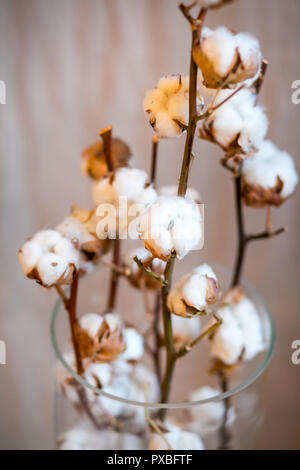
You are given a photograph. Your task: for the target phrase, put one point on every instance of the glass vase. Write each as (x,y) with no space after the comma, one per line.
(228,415)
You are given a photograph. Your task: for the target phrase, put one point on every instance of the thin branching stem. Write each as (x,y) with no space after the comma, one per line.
(155,141)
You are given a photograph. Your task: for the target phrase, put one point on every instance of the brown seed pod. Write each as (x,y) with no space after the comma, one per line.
(94,161)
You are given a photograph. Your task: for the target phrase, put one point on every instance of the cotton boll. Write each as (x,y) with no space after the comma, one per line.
(49,258)
(226,58)
(29,255)
(172,190)
(167,106)
(101,338)
(94,161)
(176,439)
(268,176)
(171,225)
(219,48)
(134,345)
(194,293)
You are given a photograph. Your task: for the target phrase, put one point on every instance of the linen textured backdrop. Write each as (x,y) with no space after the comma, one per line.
(72,67)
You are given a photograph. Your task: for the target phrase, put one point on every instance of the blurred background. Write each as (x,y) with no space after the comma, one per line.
(72,67)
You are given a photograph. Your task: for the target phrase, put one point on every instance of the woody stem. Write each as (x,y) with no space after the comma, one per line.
(71,308)
(197,25)
(191,129)
(114,276)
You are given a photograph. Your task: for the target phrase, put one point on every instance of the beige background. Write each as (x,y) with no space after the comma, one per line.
(74,66)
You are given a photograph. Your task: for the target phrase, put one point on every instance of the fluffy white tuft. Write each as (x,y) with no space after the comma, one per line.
(269,163)
(171,225)
(167,106)
(195,291)
(238,119)
(50,255)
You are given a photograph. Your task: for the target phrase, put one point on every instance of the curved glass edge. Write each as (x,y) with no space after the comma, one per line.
(173,405)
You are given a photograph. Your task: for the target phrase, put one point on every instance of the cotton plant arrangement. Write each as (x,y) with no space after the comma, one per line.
(217,102)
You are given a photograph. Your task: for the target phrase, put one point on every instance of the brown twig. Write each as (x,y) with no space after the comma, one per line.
(197,24)
(106,135)
(72,306)
(156,356)
(243,238)
(155,141)
(187,157)
(168,337)
(224,432)
(114,276)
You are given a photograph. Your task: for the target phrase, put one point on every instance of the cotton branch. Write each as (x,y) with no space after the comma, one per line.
(243,238)
(155,141)
(70,304)
(115,275)
(186,162)
(197,25)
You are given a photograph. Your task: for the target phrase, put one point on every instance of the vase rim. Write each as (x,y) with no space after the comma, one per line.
(180,404)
